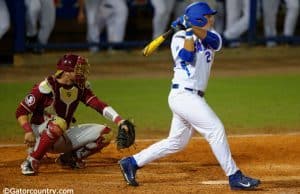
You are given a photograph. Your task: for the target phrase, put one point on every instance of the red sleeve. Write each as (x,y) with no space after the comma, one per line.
(29,103)
(90,99)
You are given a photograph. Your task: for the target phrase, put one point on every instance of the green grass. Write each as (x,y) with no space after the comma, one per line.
(261,103)
(254,104)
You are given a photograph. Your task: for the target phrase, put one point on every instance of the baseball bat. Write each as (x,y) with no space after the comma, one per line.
(155,43)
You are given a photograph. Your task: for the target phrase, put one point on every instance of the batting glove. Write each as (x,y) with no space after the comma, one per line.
(181,21)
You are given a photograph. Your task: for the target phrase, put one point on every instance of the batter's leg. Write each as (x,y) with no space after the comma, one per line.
(195,110)
(178,138)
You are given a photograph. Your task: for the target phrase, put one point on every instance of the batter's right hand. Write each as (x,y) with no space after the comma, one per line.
(29,139)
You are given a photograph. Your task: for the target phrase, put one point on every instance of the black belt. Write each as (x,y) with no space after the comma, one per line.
(199,92)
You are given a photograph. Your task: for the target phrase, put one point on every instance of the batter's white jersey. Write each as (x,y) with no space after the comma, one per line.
(192,75)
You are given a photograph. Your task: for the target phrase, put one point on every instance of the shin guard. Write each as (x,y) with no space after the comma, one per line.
(48,137)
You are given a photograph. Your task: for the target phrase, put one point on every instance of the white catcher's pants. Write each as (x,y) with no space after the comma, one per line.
(190,112)
(74,138)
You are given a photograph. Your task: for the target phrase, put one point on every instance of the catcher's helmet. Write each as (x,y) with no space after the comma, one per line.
(74,63)
(68,62)
(195,13)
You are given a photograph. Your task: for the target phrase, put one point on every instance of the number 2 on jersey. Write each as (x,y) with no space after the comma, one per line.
(208,56)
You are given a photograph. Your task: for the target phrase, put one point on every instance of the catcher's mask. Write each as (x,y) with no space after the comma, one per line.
(76,64)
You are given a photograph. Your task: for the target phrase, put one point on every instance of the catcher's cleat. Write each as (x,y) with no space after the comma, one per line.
(30,166)
(128,168)
(238,181)
(70,160)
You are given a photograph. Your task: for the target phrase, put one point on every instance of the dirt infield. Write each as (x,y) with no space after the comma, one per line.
(275,159)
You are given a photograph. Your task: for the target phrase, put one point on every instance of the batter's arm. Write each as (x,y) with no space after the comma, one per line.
(189,41)
(208,37)
(187,52)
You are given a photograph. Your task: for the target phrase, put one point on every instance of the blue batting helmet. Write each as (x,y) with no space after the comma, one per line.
(195,13)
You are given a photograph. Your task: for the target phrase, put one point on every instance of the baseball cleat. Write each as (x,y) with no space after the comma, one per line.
(128,168)
(29,166)
(69,160)
(238,181)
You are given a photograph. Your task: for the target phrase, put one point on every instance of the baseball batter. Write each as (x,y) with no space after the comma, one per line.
(51,104)
(193,52)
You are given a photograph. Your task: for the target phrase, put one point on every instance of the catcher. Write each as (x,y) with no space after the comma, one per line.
(51,105)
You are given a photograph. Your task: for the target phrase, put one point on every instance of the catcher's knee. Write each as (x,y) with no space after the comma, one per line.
(56,127)
(93,147)
(106,135)
(60,122)
(102,141)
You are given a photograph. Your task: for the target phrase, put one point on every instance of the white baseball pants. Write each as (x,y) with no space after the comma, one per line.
(190,112)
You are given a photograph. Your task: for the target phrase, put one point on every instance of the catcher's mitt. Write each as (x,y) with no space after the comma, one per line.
(126,135)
